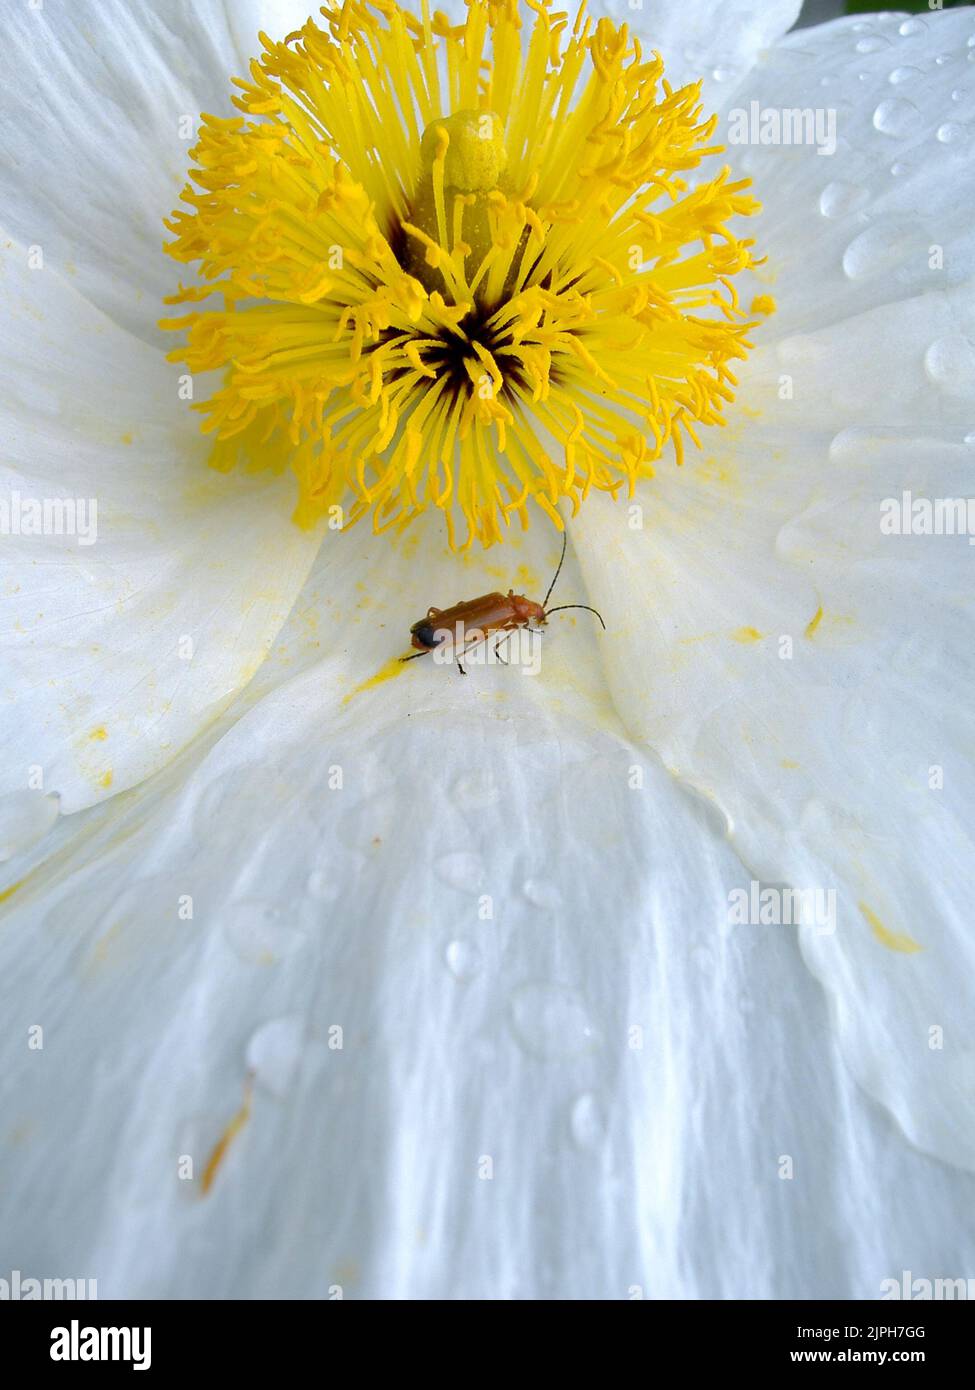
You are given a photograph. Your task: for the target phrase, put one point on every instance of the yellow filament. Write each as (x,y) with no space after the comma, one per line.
(459,266)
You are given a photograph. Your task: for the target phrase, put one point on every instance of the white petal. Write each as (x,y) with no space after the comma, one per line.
(776,647)
(25,818)
(717,40)
(590,1092)
(116,653)
(99,103)
(861,227)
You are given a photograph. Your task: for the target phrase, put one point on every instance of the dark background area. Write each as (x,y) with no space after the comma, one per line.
(818,11)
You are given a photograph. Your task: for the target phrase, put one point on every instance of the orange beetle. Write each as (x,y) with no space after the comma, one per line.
(475,619)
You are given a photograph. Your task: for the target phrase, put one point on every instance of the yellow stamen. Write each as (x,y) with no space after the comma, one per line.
(460,267)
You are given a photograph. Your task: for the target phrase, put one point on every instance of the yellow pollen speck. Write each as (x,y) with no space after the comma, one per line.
(9,892)
(346,1274)
(747,634)
(723,471)
(763,304)
(100,734)
(106,778)
(478,267)
(410,543)
(226,1139)
(127,437)
(385,673)
(814,621)
(894,941)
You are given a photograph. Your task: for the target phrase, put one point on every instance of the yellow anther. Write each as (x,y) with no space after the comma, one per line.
(531,299)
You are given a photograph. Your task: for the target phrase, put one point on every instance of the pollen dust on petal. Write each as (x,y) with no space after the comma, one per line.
(894,941)
(385,673)
(747,634)
(9,892)
(222,1146)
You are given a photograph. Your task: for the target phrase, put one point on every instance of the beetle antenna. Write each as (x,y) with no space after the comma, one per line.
(416,655)
(565,541)
(563,606)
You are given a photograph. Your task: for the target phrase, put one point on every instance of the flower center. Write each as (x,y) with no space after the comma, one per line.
(460,266)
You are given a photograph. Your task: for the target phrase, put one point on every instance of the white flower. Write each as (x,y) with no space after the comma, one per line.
(436,987)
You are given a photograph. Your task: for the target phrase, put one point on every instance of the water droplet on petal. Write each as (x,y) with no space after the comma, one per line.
(838,198)
(461,869)
(950,364)
(472,791)
(896,117)
(969,439)
(912,26)
(958,95)
(943,58)
(463,959)
(951,133)
(274,1054)
(904,74)
(258,934)
(881,248)
(852,443)
(551,1021)
(898,168)
(542,892)
(586,1122)
(872,44)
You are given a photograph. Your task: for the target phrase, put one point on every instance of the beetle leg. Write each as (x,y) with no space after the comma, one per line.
(500,643)
(485,637)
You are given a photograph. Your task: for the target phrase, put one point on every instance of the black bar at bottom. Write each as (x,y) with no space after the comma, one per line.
(170,1338)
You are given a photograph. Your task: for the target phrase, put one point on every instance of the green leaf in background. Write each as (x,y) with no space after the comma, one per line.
(909,6)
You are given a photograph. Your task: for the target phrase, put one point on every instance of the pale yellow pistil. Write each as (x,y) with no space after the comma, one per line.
(463,158)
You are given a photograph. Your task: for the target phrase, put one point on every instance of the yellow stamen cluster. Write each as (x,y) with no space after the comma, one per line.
(460,266)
